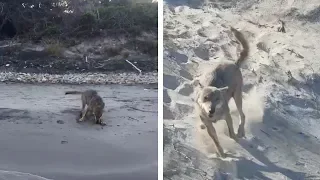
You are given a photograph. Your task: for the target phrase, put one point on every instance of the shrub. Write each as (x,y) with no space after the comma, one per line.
(85,25)
(49,20)
(54,49)
(130,18)
(113,51)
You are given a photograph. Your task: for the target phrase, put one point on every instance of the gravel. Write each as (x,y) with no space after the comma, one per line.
(129,78)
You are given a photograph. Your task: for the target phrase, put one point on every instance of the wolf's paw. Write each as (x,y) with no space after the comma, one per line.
(241,133)
(223,155)
(103,123)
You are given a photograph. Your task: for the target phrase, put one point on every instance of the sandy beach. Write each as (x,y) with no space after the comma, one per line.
(39,134)
(280,93)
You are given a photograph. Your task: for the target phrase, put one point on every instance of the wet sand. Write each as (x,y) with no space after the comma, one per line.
(39,133)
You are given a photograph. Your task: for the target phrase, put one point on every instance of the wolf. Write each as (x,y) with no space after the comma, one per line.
(216,89)
(94,103)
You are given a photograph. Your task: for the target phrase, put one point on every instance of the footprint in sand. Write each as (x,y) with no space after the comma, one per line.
(263,47)
(207,50)
(186,89)
(166,97)
(208,32)
(202,32)
(182,109)
(186,74)
(226,52)
(202,51)
(304,135)
(167,113)
(275,129)
(170,82)
(178,57)
(184,35)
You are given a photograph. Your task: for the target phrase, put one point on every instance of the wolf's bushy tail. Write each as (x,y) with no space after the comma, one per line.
(73,92)
(245,47)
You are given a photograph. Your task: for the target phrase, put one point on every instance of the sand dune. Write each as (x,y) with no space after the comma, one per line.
(281,90)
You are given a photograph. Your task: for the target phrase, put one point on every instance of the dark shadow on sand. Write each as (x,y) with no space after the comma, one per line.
(274,128)
(249,169)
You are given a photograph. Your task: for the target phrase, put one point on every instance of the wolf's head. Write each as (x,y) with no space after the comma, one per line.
(209,98)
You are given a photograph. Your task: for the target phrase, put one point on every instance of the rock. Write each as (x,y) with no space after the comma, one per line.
(60,122)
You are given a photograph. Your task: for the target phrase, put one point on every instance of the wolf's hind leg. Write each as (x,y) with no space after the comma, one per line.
(84,114)
(238,101)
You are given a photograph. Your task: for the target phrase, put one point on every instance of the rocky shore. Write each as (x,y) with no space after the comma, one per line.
(129,78)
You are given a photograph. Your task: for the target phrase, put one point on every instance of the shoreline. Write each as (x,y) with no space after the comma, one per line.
(125,78)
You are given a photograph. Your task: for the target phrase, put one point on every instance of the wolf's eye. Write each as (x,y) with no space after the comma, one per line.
(206,98)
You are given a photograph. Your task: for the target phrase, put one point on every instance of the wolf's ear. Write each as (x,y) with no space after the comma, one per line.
(224,90)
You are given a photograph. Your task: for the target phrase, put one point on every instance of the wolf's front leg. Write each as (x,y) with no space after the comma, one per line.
(97,119)
(213,134)
(84,114)
(230,126)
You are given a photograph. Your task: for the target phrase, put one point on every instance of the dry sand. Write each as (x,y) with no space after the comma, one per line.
(39,134)
(282,112)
